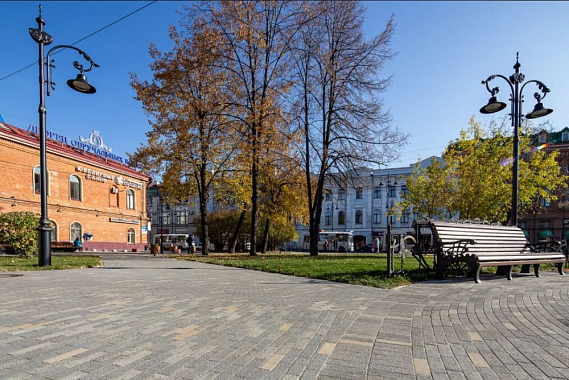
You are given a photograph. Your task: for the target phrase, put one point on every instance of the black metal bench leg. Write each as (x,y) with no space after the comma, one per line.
(525,268)
(476,273)
(508,272)
(560,268)
(501,271)
(536,270)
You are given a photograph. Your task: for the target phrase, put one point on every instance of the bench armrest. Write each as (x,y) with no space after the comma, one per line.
(455,247)
(545,246)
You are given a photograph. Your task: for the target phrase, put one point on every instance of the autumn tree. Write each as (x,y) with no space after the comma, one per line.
(427,192)
(337,104)
(255,41)
(190,143)
(475,180)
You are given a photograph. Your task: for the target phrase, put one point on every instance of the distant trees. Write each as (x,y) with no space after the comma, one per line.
(269,96)
(475,178)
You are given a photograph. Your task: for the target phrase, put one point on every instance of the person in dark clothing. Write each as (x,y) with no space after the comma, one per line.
(190,241)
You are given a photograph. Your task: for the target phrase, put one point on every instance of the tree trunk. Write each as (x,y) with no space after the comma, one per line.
(254,204)
(234,239)
(205,233)
(203,212)
(266,235)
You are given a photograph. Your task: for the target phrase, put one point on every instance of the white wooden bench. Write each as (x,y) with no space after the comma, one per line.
(464,245)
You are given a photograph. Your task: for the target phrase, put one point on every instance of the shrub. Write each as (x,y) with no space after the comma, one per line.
(19,230)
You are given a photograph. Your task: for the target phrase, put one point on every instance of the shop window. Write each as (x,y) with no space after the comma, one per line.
(359,217)
(565,136)
(328,218)
(341,218)
(114,196)
(130,199)
(37,180)
(75,231)
(405,217)
(74,188)
(53,230)
(376,216)
(544,224)
(131,236)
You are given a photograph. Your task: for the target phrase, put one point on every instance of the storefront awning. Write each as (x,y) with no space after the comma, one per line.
(546,233)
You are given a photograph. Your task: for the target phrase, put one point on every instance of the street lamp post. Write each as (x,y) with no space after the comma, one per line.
(516,99)
(79,84)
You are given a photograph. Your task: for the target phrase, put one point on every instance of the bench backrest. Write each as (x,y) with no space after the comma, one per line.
(490,240)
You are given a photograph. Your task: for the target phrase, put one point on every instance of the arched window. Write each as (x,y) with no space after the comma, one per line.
(341,218)
(114,196)
(53,230)
(328,220)
(37,180)
(130,199)
(75,231)
(359,217)
(376,216)
(131,236)
(75,188)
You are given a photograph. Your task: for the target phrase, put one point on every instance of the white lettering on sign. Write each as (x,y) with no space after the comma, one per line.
(122,181)
(95,175)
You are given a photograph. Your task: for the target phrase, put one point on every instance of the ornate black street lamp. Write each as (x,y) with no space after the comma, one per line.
(516,99)
(79,84)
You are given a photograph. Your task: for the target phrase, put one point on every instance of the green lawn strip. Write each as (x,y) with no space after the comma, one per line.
(14,263)
(369,270)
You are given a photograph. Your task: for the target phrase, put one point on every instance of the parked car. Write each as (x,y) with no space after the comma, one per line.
(366,248)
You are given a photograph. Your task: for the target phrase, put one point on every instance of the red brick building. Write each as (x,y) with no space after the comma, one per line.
(552,221)
(91,194)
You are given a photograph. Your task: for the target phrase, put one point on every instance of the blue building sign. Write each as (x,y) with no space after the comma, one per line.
(93,144)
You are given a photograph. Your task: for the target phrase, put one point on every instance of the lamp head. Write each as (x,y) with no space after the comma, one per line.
(538,111)
(80,84)
(493,106)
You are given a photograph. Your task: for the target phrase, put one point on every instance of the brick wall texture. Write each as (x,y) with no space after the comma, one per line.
(98,204)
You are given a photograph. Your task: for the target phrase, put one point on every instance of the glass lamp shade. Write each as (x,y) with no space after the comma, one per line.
(538,111)
(493,106)
(80,84)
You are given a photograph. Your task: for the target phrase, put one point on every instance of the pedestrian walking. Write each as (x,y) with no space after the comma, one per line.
(77,244)
(190,241)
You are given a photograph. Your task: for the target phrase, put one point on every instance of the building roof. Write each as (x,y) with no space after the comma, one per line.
(11,133)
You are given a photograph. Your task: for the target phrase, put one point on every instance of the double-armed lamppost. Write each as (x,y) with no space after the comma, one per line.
(78,84)
(390,186)
(516,99)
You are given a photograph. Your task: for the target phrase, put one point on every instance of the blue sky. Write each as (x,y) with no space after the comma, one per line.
(445,49)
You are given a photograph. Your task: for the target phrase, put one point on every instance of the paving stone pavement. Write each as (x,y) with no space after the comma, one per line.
(144,317)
